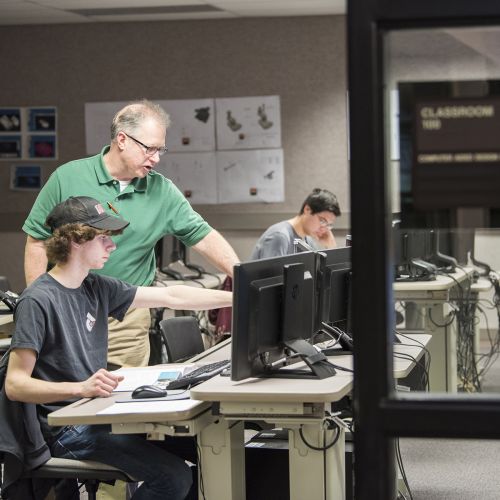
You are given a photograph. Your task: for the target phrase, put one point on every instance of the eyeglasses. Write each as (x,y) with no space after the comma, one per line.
(323,222)
(149,150)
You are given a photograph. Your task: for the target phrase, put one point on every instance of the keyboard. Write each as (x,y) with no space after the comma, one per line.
(199,375)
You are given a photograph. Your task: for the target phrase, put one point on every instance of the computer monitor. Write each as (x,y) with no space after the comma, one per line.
(335,294)
(414,254)
(174,259)
(274,316)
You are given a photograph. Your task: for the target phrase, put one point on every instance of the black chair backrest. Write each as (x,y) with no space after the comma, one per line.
(4,283)
(182,337)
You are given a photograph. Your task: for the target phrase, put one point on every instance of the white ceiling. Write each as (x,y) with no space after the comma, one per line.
(19,12)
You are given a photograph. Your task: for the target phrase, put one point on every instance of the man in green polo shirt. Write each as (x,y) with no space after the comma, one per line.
(123,179)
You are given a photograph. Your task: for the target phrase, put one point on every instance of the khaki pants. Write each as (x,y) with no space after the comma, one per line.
(128,340)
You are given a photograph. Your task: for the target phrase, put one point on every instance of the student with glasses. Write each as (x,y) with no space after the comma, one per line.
(313,224)
(123,179)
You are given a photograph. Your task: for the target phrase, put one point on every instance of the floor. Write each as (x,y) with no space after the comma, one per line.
(452,469)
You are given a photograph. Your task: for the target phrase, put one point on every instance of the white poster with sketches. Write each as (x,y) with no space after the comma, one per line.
(250,176)
(248,122)
(192,124)
(195,174)
(98,117)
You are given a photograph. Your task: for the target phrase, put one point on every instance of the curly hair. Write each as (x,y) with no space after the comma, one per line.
(58,246)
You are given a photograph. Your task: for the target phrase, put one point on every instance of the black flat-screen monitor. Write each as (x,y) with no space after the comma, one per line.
(274,316)
(413,250)
(335,294)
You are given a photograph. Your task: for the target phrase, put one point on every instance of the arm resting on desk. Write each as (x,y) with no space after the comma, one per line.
(21,386)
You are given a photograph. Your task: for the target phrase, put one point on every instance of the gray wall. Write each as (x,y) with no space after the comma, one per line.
(301,59)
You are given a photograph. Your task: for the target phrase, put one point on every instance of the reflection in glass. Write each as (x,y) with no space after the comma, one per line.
(442,98)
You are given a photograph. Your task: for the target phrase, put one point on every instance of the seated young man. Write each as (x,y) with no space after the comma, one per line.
(59,347)
(313,225)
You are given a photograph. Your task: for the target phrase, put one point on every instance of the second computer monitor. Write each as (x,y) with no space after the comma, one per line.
(335,290)
(274,310)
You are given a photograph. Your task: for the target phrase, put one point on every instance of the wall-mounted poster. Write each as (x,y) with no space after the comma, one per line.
(42,120)
(192,125)
(248,122)
(25,177)
(250,176)
(195,174)
(42,146)
(10,120)
(98,117)
(10,146)
(28,132)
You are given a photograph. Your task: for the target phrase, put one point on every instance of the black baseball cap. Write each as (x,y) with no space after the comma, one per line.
(84,210)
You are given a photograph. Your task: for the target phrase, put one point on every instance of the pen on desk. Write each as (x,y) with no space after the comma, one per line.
(113,208)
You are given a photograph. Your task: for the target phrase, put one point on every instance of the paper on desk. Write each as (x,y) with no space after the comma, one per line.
(134,377)
(150,407)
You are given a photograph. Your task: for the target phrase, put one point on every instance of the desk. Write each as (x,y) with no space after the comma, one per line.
(299,404)
(482,285)
(6,319)
(6,328)
(296,404)
(433,298)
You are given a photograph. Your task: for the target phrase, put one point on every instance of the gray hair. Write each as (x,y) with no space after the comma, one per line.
(130,118)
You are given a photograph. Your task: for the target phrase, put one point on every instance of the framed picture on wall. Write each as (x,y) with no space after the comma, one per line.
(42,119)
(10,119)
(10,146)
(28,132)
(25,177)
(42,146)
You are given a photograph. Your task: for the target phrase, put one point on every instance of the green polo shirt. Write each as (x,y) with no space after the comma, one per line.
(153,205)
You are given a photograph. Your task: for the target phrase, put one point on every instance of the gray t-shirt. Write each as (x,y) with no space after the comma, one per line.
(68,328)
(278,240)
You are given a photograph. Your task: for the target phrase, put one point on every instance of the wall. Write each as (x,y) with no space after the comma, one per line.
(301,59)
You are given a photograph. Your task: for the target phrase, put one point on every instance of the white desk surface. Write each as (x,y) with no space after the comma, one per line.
(279,390)
(308,390)
(482,285)
(440,283)
(85,411)
(222,389)
(6,319)
(5,343)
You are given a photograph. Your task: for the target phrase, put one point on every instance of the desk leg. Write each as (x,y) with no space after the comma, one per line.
(316,475)
(474,297)
(222,461)
(443,348)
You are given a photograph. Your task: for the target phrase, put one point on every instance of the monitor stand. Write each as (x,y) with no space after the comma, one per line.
(319,366)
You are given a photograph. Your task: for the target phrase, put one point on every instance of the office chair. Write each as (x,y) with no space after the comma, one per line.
(4,283)
(182,337)
(87,472)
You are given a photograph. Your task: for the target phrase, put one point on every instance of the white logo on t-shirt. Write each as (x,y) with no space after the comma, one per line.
(90,322)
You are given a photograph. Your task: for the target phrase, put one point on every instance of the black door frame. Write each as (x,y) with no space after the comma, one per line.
(381,415)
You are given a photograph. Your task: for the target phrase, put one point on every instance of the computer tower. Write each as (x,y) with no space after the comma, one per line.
(266,466)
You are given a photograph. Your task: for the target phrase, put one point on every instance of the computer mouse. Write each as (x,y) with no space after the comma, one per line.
(148,391)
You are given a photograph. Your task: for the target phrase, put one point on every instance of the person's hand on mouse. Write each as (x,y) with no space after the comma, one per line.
(101,383)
